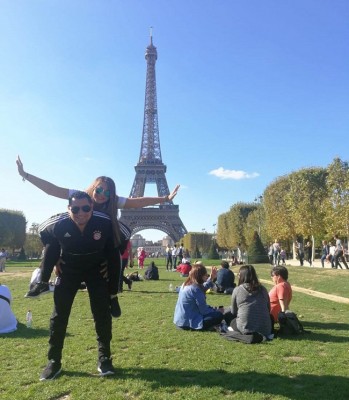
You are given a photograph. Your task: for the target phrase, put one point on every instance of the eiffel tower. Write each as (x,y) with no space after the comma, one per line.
(150,168)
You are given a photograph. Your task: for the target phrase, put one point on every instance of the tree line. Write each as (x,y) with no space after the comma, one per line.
(310,203)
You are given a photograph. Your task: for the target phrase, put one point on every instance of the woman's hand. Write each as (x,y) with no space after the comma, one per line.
(213,274)
(20,167)
(58,267)
(174,192)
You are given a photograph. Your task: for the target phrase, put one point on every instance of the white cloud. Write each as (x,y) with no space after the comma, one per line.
(222,173)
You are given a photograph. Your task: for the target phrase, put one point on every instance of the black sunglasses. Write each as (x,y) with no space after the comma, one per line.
(76,209)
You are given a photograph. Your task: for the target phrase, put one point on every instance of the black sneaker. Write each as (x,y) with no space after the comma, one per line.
(52,370)
(129,285)
(105,366)
(115,309)
(39,289)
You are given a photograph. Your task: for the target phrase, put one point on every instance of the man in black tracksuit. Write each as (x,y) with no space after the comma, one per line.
(86,241)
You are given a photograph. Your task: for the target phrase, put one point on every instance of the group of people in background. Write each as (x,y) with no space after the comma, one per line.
(175,256)
(276,253)
(333,252)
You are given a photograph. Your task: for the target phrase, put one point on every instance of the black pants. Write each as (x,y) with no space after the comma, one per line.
(169,262)
(339,255)
(301,259)
(124,279)
(64,295)
(174,262)
(51,255)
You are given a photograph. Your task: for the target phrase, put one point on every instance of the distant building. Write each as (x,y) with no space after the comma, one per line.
(167,241)
(152,249)
(138,241)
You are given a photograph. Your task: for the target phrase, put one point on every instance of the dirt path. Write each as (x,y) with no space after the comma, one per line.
(332,297)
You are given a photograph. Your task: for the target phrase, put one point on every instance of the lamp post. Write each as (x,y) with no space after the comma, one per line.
(258,200)
(203,241)
(195,241)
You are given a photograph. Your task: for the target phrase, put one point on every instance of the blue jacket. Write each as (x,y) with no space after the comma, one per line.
(191,307)
(225,278)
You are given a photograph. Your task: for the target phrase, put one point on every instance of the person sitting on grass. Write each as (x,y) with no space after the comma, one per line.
(250,306)
(184,268)
(8,321)
(192,312)
(281,294)
(225,282)
(152,272)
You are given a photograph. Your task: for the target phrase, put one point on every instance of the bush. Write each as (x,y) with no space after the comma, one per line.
(256,251)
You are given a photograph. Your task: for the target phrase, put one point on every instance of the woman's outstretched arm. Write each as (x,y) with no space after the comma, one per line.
(139,202)
(45,186)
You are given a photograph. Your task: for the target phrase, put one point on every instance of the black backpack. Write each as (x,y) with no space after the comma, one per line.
(289,324)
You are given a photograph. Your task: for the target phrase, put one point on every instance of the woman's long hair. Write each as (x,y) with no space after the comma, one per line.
(196,276)
(110,206)
(248,276)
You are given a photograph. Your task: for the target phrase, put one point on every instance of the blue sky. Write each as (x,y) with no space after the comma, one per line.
(247,91)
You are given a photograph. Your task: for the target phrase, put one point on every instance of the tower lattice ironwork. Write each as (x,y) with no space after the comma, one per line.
(150,168)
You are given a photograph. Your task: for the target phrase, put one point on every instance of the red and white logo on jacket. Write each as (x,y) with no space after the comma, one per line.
(97,235)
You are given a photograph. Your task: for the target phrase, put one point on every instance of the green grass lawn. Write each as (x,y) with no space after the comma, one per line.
(154,360)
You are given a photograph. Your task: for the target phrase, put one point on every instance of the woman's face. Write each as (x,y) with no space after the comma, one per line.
(101,193)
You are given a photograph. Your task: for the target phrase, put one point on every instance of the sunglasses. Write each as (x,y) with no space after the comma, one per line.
(100,190)
(76,209)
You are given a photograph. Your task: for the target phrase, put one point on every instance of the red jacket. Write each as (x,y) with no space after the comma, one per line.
(184,268)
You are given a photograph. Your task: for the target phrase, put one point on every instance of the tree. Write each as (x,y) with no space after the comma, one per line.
(33,246)
(278,213)
(213,253)
(308,187)
(256,251)
(222,235)
(12,229)
(337,204)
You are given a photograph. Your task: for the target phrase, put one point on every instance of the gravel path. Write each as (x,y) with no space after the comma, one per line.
(332,297)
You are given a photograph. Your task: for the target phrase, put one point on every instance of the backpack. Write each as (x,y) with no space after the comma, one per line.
(289,324)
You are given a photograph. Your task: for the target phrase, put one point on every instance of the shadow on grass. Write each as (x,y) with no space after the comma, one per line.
(328,325)
(300,387)
(316,337)
(156,292)
(28,333)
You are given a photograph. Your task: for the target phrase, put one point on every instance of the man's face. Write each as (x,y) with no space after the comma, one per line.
(80,211)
